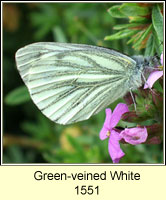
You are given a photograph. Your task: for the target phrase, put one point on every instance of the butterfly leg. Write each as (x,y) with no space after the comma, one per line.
(135,107)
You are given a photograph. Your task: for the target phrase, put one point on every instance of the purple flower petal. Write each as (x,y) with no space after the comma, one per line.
(120,109)
(134,135)
(114,147)
(153,77)
(104,133)
(108,112)
(106,127)
(161,58)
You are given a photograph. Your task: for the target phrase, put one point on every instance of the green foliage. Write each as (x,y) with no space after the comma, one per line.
(133,9)
(114,11)
(145,23)
(157,20)
(150,46)
(59,34)
(121,34)
(17,96)
(29,137)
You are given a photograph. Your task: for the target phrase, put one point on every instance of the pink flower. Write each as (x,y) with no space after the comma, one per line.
(114,147)
(111,121)
(132,135)
(161,58)
(154,76)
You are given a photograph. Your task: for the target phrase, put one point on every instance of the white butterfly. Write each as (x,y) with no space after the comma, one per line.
(72,82)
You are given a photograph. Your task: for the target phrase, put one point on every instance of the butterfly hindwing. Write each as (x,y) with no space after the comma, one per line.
(71,82)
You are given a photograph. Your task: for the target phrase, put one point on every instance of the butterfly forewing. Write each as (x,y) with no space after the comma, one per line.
(71,82)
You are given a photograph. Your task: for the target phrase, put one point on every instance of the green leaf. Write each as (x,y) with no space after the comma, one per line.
(139,19)
(134,38)
(150,46)
(143,37)
(17,96)
(122,26)
(59,35)
(158,87)
(157,42)
(133,9)
(121,34)
(114,11)
(157,20)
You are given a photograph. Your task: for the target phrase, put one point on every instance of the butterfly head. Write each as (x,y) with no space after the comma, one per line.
(147,64)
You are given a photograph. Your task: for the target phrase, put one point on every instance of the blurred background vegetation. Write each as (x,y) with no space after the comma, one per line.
(28,136)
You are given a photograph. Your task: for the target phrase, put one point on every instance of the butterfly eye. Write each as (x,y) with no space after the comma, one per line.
(146,61)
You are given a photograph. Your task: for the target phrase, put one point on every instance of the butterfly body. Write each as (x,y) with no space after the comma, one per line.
(71,82)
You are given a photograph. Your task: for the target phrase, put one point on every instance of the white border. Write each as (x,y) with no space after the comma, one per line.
(77,164)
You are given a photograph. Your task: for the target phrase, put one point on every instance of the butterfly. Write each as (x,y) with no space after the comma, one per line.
(71,82)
